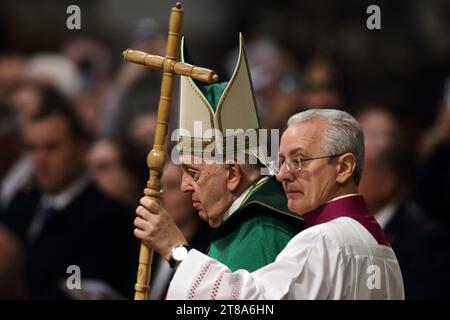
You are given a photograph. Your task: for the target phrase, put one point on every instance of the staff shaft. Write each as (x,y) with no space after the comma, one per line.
(157,156)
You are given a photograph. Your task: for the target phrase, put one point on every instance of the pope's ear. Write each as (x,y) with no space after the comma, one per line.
(234,176)
(346,167)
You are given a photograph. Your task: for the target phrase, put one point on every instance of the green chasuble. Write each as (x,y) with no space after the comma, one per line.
(257,231)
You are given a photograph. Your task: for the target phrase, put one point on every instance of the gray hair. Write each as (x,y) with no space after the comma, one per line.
(343,134)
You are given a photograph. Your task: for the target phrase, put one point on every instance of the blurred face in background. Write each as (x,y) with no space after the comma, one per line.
(379,182)
(106,169)
(57,156)
(320,90)
(377,126)
(88,108)
(177,203)
(141,130)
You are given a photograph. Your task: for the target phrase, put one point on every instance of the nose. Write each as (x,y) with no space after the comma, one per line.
(285,175)
(186,184)
(39,157)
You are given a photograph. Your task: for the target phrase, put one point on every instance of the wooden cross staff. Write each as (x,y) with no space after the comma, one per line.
(157,156)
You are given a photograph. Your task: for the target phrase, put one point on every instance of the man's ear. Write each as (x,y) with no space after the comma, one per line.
(234,176)
(346,167)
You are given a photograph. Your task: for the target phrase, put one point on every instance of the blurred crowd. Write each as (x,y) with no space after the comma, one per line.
(75,133)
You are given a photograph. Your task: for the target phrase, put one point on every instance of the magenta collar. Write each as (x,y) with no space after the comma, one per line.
(353,207)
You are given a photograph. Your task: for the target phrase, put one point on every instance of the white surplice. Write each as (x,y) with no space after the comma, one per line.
(338,259)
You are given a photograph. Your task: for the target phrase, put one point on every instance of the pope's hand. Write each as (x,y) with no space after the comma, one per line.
(156,228)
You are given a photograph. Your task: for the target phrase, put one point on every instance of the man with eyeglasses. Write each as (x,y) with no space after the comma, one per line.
(343,253)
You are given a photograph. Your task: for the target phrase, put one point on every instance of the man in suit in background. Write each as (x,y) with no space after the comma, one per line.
(64,219)
(420,244)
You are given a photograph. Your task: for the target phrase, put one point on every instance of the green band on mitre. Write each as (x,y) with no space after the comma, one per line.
(212,92)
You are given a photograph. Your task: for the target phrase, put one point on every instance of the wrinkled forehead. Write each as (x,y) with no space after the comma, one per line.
(303,138)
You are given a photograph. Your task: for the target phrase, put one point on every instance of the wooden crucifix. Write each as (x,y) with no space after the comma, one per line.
(157,156)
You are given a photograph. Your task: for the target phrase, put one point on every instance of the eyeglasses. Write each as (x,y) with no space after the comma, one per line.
(297,163)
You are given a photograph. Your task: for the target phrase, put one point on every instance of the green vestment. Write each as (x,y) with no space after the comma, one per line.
(257,231)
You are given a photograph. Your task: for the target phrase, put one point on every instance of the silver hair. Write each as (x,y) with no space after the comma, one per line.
(343,134)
